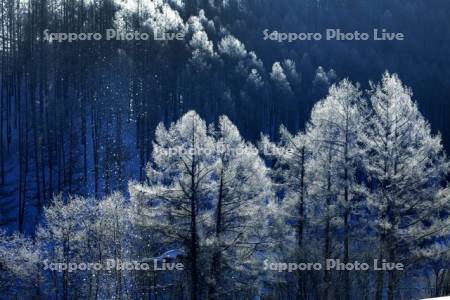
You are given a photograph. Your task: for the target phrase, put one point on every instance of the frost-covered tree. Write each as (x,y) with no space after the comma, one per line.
(293,76)
(254,79)
(206,192)
(280,79)
(291,179)
(242,187)
(290,155)
(231,46)
(112,229)
(180,187)
(202,47)
(322,81)
(63,238)
(407,166)
(81,230)
(333,130)
(148,242)
(19,266)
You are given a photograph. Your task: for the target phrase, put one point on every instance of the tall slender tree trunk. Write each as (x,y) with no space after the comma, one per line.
(215,265)
(391,273)
(2,93)
(347,286)
(193,244)
(380,274)
(95,150)
(327,252)
(193,229)
(301,224)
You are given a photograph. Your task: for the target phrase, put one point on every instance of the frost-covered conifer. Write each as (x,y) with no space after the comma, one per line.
(407,166)
(333,131)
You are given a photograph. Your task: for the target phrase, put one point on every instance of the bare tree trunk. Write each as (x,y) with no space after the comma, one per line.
(95,145)
(392,278)
(301,277)
(215,265)
(193,242)
(347,286)
(380,274)
(23,164)
(193,229)
(2,93)
(327,252)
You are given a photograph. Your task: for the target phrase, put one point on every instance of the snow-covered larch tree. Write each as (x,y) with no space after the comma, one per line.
(180,186)
(81,230)
(112,229)
(290,178)
(19,266)
(407,167)
(63,237)
(333,131)
(290,156)
(242,188)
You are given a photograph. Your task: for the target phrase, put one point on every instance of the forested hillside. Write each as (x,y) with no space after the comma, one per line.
(223,151)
